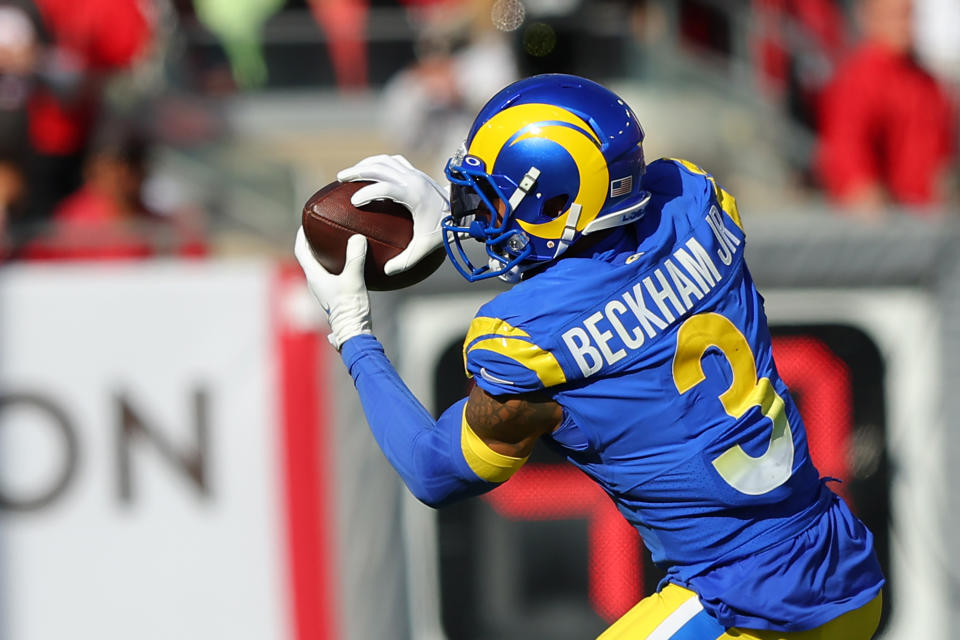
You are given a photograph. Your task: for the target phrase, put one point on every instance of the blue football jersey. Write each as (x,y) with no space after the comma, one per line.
(658,350)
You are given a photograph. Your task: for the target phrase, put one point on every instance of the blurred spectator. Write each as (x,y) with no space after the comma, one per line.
(86,42)
(22,42)
(462,60)
(887,129)
(345,23)
(798,44)
(106,219)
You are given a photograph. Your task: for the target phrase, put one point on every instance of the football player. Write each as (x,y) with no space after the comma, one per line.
(634,341)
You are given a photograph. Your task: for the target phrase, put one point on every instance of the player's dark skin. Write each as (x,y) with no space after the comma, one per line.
(510,425)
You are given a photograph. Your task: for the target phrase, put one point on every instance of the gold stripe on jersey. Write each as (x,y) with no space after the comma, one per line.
(498,336)
(729,205)
(484,461)
(727,202)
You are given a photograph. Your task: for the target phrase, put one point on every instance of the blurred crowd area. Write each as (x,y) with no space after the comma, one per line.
(137,128)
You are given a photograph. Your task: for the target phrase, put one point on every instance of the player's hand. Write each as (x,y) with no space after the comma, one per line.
(343,297)
(396,179)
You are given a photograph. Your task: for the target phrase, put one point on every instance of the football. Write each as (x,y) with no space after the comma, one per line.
(329,219)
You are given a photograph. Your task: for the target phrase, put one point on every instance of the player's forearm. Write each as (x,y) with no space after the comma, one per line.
(427,453)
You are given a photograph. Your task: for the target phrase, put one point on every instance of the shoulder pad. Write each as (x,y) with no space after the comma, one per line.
(505,360)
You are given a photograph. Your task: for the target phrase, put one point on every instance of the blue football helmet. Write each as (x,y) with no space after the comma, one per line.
(548,160)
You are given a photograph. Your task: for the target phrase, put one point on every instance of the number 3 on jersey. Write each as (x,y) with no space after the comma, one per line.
(746,474)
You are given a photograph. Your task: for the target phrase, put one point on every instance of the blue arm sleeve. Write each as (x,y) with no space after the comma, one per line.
(425,452)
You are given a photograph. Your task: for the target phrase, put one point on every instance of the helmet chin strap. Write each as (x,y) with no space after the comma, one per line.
(511,276)
(569,230)
(514,274)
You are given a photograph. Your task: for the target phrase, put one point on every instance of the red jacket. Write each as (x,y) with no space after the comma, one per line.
(100,36)
(884,120)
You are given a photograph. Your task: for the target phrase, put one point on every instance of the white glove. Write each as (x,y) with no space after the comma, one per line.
(344,297)
(396,179)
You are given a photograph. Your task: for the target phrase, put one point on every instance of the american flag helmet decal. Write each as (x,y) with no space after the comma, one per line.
(621,186)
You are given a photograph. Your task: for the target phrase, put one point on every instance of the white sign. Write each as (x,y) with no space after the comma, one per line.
(140,454)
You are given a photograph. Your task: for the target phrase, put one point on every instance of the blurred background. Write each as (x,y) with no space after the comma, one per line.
(182,456)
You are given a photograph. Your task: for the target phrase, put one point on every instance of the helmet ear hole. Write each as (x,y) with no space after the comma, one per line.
(554,206)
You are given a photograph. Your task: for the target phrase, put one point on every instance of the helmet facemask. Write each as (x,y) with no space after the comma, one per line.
(481,209)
